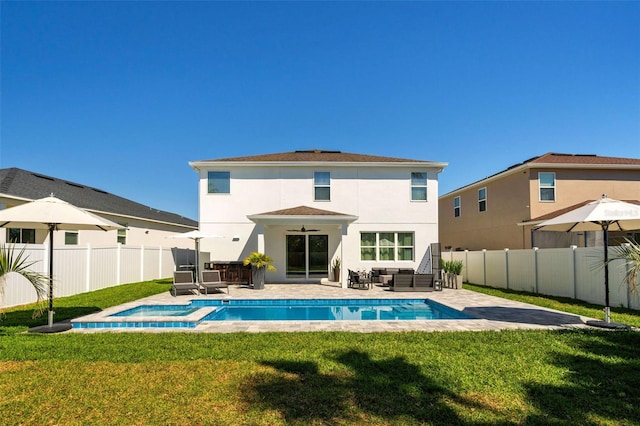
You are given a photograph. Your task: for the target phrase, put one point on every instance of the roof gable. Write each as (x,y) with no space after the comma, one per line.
(32,186)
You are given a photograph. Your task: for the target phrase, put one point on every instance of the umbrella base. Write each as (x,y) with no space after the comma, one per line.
(55,328)
(609,325)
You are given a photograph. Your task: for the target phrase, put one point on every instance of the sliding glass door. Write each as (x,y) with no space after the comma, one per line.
(307,256)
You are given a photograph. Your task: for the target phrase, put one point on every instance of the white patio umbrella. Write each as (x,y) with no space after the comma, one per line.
(197,235)
(604,215)
(53,214)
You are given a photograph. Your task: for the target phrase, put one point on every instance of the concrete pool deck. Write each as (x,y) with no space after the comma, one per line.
(489,312)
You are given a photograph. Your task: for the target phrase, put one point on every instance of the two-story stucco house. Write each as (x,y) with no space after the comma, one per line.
(307,208)
(502,210)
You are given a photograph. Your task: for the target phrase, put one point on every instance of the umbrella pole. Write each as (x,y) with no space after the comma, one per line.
(607,313)
(51,227)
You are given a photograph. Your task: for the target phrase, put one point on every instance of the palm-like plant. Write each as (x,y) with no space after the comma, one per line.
(630,255)
(259,260)
(10,261)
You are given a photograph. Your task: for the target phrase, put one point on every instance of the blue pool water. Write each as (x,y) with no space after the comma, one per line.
(198,311)
(304,310)
(334,310)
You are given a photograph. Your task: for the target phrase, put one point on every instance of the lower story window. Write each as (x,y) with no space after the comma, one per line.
(387,246)
(21,236)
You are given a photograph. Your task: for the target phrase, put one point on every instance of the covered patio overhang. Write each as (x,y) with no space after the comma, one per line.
(299,216)
(321,226)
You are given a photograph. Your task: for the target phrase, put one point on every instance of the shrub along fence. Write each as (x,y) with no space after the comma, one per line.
(78,269)
(575,272)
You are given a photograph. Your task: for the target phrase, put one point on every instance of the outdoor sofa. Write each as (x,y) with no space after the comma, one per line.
(414,282)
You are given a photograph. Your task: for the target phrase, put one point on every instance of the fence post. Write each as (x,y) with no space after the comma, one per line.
(160,253)
(506,265)
(535,267)
(484,267)
(118,262)
(88,276)
(575,272)
(142,263)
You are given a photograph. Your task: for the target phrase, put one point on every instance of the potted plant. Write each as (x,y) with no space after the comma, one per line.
(445,266)
(335,265)
(260,263)
(455,267)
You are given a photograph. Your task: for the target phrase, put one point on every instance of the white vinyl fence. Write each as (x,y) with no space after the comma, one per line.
(79,269)
(576,273)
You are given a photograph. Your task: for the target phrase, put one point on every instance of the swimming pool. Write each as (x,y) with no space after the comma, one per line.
(198,311)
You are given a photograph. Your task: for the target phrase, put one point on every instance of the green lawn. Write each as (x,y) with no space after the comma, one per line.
(572,377)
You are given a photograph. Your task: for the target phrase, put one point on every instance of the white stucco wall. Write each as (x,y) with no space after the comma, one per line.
(379,196)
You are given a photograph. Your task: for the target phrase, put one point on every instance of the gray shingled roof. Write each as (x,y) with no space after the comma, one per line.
(25,184)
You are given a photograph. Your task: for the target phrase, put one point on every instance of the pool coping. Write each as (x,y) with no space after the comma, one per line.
(491,313)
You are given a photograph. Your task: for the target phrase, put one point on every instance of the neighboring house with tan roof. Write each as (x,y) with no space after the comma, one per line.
(502,210)
(144,225)
(307,208)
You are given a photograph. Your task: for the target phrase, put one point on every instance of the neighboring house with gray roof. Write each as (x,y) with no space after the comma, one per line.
(144,225)
(502,210)
(307,208)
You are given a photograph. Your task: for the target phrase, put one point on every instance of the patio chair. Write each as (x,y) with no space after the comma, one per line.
(183,281)
(354,279)
(211,280)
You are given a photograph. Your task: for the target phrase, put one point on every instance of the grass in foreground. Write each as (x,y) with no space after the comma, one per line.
(473,378)
(622,315)
(585,377)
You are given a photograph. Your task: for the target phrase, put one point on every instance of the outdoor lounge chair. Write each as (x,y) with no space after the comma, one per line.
(183,281)
(211,280)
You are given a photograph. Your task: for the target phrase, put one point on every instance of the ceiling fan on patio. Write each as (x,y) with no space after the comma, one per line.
(303,229)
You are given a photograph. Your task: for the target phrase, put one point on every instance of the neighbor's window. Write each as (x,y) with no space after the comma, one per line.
(387,246)
(547,182)
(71,238)
(122,236)
(456,207)
(219,182)
(322,186)
(21,236)
(482,200)
(418,186)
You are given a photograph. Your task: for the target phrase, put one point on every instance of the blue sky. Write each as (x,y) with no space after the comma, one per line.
(122,95)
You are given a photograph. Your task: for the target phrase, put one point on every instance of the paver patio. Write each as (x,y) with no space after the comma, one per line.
(490,313)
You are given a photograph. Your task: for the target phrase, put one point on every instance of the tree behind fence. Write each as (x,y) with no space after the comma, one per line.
(80,269)
(576,273)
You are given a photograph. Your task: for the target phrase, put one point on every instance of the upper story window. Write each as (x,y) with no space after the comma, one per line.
(122,236)
(71,238)
(322,186)
(482,199)
(219,183)
(456,207)
(547,185)
(418,186)
(21,236)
